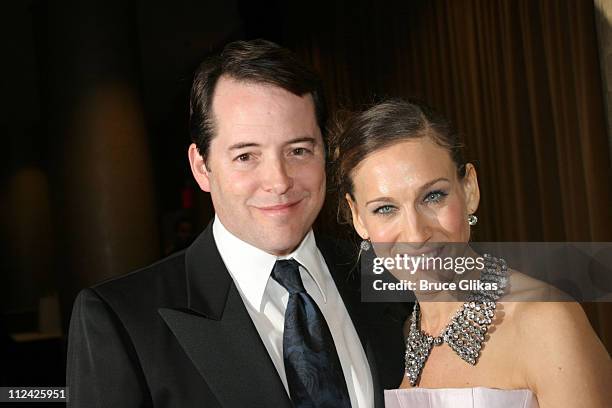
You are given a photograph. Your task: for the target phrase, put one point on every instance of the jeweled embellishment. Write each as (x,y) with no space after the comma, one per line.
(466,331)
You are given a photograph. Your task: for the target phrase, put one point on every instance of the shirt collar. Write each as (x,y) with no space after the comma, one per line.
(250,267)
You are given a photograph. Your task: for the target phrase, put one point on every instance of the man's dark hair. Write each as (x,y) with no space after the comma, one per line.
(256,61)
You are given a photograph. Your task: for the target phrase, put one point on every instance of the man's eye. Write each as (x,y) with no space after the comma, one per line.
(243,157)
(384,210)
(435,196)
(300,151)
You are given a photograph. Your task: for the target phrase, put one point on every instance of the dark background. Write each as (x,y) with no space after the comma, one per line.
(96,183)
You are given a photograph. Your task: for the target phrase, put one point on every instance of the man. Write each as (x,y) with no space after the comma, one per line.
(250,314)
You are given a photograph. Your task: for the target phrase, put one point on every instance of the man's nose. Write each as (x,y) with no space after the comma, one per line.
(276,178)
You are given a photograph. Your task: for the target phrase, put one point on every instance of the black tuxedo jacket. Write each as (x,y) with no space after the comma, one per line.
(177,334)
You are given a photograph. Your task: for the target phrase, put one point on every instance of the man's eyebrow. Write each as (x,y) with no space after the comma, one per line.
(303,139)
(242,145)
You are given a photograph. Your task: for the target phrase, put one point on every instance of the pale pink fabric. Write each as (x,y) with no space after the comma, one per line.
(478,397)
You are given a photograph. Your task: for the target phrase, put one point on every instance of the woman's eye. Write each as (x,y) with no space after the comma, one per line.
(435,196)
(384,210)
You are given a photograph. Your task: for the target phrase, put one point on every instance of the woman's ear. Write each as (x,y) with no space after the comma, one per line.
(198,168)
(470,189)
(357,221)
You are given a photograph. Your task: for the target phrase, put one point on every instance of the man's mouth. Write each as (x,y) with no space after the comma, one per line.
(278,208)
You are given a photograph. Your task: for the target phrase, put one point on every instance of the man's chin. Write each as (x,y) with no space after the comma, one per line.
(281,241)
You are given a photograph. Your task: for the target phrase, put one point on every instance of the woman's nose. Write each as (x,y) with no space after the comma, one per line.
(415,228)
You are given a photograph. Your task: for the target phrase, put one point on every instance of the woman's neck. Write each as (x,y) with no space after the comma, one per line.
(435,316)
(437,309)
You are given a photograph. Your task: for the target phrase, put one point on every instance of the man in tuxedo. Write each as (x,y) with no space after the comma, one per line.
(257,312)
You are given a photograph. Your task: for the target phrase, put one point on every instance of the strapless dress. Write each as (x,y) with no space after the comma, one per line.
(478,397)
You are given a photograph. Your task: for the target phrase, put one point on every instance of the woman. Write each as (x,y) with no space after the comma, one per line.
(401,176)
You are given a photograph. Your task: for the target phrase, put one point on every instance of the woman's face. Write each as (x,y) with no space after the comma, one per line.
(410,193)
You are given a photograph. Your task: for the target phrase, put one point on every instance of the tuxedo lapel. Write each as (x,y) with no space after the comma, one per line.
(229,355)
(218,335)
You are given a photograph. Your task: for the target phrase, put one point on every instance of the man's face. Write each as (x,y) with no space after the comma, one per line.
(265,168)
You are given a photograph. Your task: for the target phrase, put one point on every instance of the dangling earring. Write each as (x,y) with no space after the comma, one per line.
(365,245)
(472,219)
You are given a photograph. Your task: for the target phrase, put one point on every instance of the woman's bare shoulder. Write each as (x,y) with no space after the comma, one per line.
(553,316)
(524,288)
(558,345)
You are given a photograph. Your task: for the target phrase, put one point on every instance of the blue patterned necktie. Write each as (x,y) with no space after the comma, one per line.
(312,366)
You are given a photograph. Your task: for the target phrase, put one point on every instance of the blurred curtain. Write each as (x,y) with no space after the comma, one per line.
(521,81)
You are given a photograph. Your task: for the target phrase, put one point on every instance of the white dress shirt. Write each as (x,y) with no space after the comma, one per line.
(266,301)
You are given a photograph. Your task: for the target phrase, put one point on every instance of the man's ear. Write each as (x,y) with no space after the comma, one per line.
(471,189)
(198,168)
(357,221)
